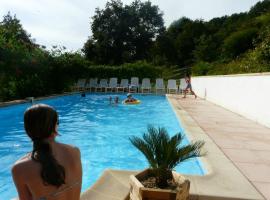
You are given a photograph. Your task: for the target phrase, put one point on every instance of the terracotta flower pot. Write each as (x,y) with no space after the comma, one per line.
(139,192)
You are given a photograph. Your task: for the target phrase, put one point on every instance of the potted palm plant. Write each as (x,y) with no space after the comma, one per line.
(163,154)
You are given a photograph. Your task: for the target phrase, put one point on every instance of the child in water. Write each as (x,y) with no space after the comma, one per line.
(116,100)
(130,98)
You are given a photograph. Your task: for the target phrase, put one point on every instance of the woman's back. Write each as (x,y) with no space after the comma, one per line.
(53,170)
(28,171)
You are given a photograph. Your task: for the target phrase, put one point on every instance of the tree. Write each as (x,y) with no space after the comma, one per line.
(185,32)
(239,42)
(260,8)
(123,33)
(11,28)
(206,49)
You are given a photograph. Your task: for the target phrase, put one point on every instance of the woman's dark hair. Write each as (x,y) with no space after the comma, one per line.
(40,122)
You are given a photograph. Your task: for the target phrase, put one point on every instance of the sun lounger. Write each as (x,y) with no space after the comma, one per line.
(146,85)
(172,86)
(112,85)
(123,86)
(80,85)
(160,85)
(103,83)
(92,84)
(134,84)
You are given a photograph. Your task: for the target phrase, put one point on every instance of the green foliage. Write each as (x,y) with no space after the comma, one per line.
(123,33)
(201,68)
(139,69)
(210,46)
(263,49)
(206,49)
(264,19)
(239,42)
(11,29)
(252,61)
(186,33)
(28,70)
(8,89)
(164,153)
(260,8)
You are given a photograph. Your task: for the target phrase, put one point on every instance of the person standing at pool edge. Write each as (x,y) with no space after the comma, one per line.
(52,170)
(188,81)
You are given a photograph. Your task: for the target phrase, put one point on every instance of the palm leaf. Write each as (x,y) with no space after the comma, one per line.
(145,149)
(163,152)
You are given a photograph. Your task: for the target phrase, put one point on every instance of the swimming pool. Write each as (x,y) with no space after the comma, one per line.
(100,130)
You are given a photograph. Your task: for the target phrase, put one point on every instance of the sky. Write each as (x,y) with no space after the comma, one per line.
(67,22)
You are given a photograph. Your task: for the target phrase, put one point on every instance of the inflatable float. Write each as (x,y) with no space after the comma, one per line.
(132,102)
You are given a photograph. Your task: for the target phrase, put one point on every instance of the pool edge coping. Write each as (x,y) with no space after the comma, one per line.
(22,101)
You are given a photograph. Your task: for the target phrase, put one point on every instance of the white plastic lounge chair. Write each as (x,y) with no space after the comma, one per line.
(87,85)
(134,84)
(103,83)
(91,84)
(182,85)
(146,85)
(80,85)
(123,86)
(172,86)
(160,85)
(112,84)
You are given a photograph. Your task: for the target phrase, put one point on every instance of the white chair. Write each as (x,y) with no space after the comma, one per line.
(172,86)
(123,86)
(112,84)
(183,85)
(80,85)
(103,83)
(134,84)
(160,85)
(91,84)
(146,85)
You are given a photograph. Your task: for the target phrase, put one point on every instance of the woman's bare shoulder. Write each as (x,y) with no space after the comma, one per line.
(26,159)
(72,149)
(23,163)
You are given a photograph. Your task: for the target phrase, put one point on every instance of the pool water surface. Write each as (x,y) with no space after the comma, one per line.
(99,129)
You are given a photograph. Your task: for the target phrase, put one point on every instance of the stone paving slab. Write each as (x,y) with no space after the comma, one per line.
(245,142)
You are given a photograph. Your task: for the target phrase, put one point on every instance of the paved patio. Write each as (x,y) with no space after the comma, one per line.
(245,142)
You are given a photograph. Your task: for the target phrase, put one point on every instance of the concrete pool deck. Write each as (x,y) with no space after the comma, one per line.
(232,145)
(244,142)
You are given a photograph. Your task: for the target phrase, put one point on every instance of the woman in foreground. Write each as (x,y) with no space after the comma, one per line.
(52,171)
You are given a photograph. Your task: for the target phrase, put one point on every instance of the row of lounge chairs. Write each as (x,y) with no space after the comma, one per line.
(125,86)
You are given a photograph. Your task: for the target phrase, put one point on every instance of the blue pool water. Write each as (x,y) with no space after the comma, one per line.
(100,130)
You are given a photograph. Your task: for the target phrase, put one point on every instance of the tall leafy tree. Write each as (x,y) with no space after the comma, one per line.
(239,42)
(184,33)
(260,8)
(206,49)
(123,33)
(11,29)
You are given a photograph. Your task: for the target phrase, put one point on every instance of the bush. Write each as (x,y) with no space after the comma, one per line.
(139,69)
(201,68)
